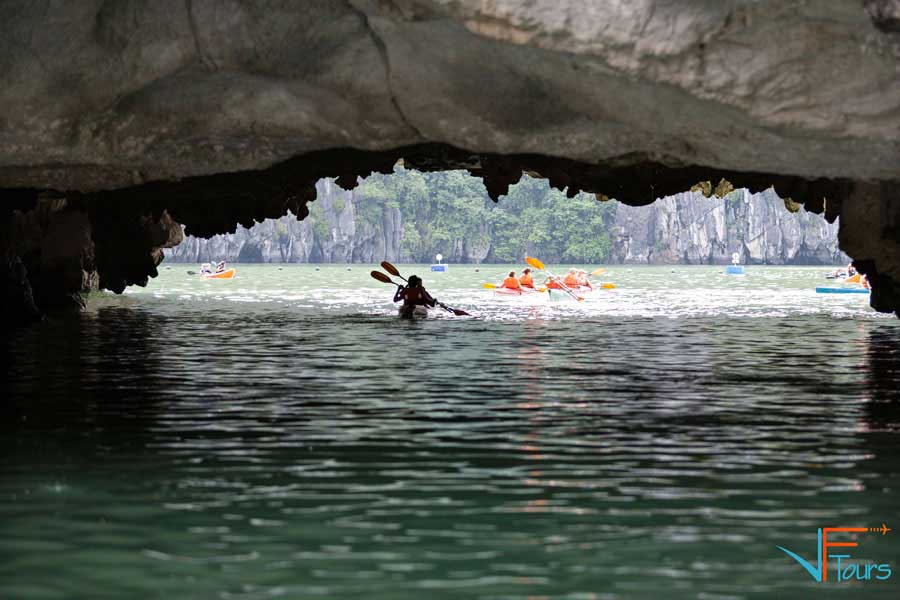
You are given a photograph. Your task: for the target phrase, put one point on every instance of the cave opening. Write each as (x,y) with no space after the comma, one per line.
(65,243)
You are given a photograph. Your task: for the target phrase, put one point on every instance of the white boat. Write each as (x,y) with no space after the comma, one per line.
(415,312)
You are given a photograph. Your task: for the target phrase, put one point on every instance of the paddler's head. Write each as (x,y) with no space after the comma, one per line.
(526,271)
(512,274)
(414,281)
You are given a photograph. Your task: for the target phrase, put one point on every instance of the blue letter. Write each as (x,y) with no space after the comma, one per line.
(839,557)
(886,569)
(815,573)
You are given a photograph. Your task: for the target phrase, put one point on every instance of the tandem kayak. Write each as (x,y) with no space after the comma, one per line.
(226,274)
(841,290)
(506,292)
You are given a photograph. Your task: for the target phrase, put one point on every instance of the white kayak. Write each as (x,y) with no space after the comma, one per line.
(415,312)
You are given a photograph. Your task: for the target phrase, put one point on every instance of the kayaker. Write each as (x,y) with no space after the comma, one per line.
(205,268)
(571,279)
(413,295)
(220,266)
(511,283)
(526,281)
(584,280)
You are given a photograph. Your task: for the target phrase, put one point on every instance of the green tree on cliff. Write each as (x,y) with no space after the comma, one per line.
(450,212)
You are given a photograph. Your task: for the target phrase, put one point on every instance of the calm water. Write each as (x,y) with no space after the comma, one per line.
(282,435)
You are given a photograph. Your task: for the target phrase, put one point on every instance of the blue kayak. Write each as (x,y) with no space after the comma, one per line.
(841,290)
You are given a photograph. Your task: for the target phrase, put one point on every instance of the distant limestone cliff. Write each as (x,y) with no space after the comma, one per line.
(411,216)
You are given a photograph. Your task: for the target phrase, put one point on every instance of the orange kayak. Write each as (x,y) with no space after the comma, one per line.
(226,274)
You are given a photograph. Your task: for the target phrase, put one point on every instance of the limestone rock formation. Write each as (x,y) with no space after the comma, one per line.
(690,229)
(216,112)
(682,229)
(336,234)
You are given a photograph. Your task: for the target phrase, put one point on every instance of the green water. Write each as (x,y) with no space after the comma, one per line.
(282,435)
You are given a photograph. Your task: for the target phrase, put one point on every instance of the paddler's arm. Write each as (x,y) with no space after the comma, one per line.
(398,296)
(429,300)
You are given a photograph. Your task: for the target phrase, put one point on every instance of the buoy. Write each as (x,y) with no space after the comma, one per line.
(735,268)
(439,268)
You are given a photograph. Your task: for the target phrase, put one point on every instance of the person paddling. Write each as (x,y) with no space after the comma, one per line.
(583,280)
(413,295)
(526,280)
(511,282)
(571,279)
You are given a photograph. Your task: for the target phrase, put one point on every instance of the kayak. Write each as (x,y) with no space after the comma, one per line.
(515,293)
(226,274)
(841,290)
(414,312)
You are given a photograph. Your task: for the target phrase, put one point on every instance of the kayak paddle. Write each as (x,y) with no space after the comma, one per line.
(391,269)
(383,278)
(598,271)
(489,286)
(394,271)
(540,267)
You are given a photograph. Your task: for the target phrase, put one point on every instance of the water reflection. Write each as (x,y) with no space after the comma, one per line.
(164,454)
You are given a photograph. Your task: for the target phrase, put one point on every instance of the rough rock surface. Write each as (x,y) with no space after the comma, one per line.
(334,235)
(99,94)
(690,229)
(152,104)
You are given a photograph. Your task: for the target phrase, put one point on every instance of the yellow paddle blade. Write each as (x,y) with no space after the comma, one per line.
(542,289)
(599,271)
(608,286)
(390,268)
(534,263)
(489,286)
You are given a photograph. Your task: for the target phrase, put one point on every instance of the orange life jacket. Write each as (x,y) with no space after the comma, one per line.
(553,284)
(511,283)
(571,280)
(526,280)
